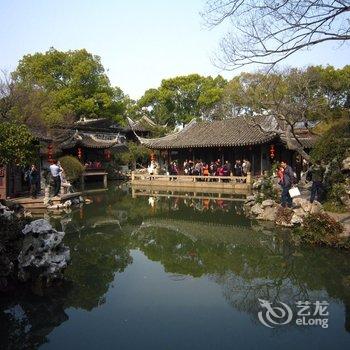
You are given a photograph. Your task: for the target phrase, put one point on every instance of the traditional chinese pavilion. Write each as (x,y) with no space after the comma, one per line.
(93,141)
(90,140)
(229,139)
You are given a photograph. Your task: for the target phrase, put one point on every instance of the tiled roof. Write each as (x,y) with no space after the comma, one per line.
(93,141)
(66,139)
(144,124)
(99,124)
(238,131)
(307,141)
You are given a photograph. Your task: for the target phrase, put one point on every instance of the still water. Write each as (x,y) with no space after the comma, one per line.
(179,273)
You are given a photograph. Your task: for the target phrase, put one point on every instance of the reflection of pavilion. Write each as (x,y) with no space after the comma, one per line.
(247,265)
(185,193)
(200,231)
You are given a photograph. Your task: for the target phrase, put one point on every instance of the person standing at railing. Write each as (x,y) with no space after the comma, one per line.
(198,167)
(246,166)
(227,168)
(153,169)
(205,170)
(173,169)
(212,168)
(185,167)
(238,168)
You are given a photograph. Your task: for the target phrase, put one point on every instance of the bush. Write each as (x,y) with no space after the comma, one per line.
(333,144)
(135,153)
(321,229)
(72,167)
(267,190)
(335,194)
(334,207)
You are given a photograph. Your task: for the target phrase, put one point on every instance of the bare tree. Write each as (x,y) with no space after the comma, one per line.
(269,31)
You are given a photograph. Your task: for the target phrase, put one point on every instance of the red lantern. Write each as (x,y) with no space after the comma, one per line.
(80,153)
(107,154)
(272,152)
(49,153)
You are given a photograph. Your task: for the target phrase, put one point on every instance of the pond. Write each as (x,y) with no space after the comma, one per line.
(177,272)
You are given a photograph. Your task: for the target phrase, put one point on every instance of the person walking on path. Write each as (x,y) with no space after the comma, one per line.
(34,180)
(55,173)
(316,174)
(286,183)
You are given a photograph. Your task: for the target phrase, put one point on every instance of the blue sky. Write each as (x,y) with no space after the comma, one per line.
(140,42)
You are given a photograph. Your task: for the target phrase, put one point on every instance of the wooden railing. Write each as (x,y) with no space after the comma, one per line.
(172,180)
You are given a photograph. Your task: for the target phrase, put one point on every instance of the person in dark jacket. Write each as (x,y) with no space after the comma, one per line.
(228,168)
(286,183)
(212,168)
(238,168)
(34,181)
(315,174)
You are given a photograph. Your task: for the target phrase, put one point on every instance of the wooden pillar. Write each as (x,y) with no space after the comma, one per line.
(105,180)
(82,179)
(168,156)
(3,182)
(261,160)
(249,180)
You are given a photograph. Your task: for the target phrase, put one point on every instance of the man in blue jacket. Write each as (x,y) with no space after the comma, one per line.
(286,183)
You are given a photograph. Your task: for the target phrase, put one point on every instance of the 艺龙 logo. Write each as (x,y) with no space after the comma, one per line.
(274,315)
(307,314)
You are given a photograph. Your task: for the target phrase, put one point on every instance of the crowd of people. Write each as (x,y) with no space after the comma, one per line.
(93,164)
(287,178)
(200,168)
(216,168)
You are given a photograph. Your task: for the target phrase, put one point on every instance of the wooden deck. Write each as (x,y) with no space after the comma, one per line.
(39,202)
(228,184)
(94,173)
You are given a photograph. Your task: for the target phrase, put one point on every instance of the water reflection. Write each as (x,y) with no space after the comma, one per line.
(189,237)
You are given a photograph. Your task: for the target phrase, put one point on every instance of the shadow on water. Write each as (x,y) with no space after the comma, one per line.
(188,236)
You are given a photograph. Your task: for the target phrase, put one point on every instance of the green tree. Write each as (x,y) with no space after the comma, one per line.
(134,154)
(17,145)
(64,86)
(334,86)
(180,99)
